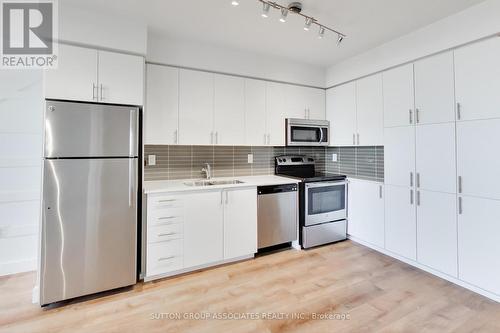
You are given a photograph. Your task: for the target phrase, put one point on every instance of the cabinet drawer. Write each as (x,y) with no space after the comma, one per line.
(166,232)
(165,202)
(165,216)
(164,257)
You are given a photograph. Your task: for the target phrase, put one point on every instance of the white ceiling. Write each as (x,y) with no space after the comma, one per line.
(367,23)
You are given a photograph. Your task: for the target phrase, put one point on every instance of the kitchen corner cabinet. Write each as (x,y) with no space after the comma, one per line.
(341,112)
(398,96)
(366,211)
(189,230)
(161,114)
(91,75)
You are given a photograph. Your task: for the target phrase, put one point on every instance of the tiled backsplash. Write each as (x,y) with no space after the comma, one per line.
(182,162)
(359,162)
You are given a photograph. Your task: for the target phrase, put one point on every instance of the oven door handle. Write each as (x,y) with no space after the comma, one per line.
(325,184)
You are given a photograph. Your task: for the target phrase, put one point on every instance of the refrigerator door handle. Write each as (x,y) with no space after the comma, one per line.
(130,181)
(133,133)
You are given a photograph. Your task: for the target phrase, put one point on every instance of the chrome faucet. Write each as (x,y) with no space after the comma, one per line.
(207,170)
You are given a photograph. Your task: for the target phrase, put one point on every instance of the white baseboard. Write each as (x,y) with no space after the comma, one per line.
(449,278)
(14,267)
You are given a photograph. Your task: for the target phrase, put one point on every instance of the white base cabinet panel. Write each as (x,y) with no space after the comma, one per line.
(437,231)
(366,211)
(400,221)
(478,245)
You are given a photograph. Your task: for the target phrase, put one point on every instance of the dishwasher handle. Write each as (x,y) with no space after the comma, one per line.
(273,189)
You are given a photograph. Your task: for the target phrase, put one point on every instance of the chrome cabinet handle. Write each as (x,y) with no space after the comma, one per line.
(411,197)
(305,113)
(459,184)
(411,179)
(460,208)
(227,197)
(176,136)
(216,137)
(167,234)
(353,138)
(418,198)
(418,179)
(166,258)
(94,88)
(411,116)
(221,197)
(459,111)
(380,191)
(358,138)
(166,200)
(417,114)
(167,217)
(102,93)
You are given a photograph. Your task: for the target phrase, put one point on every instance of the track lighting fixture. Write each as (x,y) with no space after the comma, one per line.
(321,32)
(235,3)
(265,9)
(340,38)
(308,23)
(284,14)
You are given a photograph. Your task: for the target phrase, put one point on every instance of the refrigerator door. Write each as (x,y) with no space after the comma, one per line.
(89,227)
(90,130)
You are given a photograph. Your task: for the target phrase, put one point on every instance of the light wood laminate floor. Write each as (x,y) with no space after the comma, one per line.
(376,294)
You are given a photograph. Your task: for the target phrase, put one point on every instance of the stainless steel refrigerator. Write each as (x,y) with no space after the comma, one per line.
(89,199)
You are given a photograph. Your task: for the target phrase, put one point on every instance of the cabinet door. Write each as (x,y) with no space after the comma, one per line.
(161,114)
(296,101)
(121,78)
(255,112)
(478,245)
(366,211)
(196,107)
(436,160)
(478,161)
(398,96)
(437,231)
(229,110)
(75,77)
(203,228)
(315,103)
(400,221)
(477,80)
(370,111)
(276,111)
(341,112)
(399,155)
(240,222)
(435,89)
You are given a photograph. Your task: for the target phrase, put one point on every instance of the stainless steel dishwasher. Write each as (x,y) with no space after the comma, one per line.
(277,214)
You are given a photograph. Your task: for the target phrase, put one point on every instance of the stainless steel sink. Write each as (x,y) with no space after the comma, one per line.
(213,182)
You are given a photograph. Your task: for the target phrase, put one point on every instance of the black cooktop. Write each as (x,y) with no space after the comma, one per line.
(302,168)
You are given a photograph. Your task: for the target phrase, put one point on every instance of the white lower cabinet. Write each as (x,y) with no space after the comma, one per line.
(194,229)
(400,221)
(366,211)
(478,244)
(437,231)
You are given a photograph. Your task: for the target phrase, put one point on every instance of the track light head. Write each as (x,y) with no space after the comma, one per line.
(265,9)
(235,3)
(284,13)
(321,32)
(308,23)
(340,38)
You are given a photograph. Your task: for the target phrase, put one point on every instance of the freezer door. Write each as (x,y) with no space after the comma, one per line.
(89,227)
(89,130)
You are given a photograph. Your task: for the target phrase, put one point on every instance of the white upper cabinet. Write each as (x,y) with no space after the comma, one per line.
(255,112)
(121,78)
(315,103)
(240,222)
(161,113)
(341,112)
(370,111)
(399,156)
(437,231)
(229,113)
(477,160)
(276,112)
(196,108)
(435,90)
(398,96)
(296,102)
(477,79)
(478,245)
(75,77)
(366,211)
(96,76)
(436,158)
(400,221)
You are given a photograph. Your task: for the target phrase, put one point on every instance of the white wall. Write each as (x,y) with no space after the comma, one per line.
(210,57)
(101,29)
(472,24)
(21,110)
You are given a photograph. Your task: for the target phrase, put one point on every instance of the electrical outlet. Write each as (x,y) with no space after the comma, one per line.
(151,159)
(334,157)
(250,158)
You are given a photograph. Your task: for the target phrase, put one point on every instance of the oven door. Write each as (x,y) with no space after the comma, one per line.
(307,135)
(325,202)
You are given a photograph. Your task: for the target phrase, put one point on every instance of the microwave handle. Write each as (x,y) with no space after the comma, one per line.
(321,137)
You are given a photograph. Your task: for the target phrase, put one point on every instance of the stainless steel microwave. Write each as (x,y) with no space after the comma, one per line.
(305,132)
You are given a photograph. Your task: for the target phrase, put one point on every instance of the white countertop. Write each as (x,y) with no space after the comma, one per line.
(161,186)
